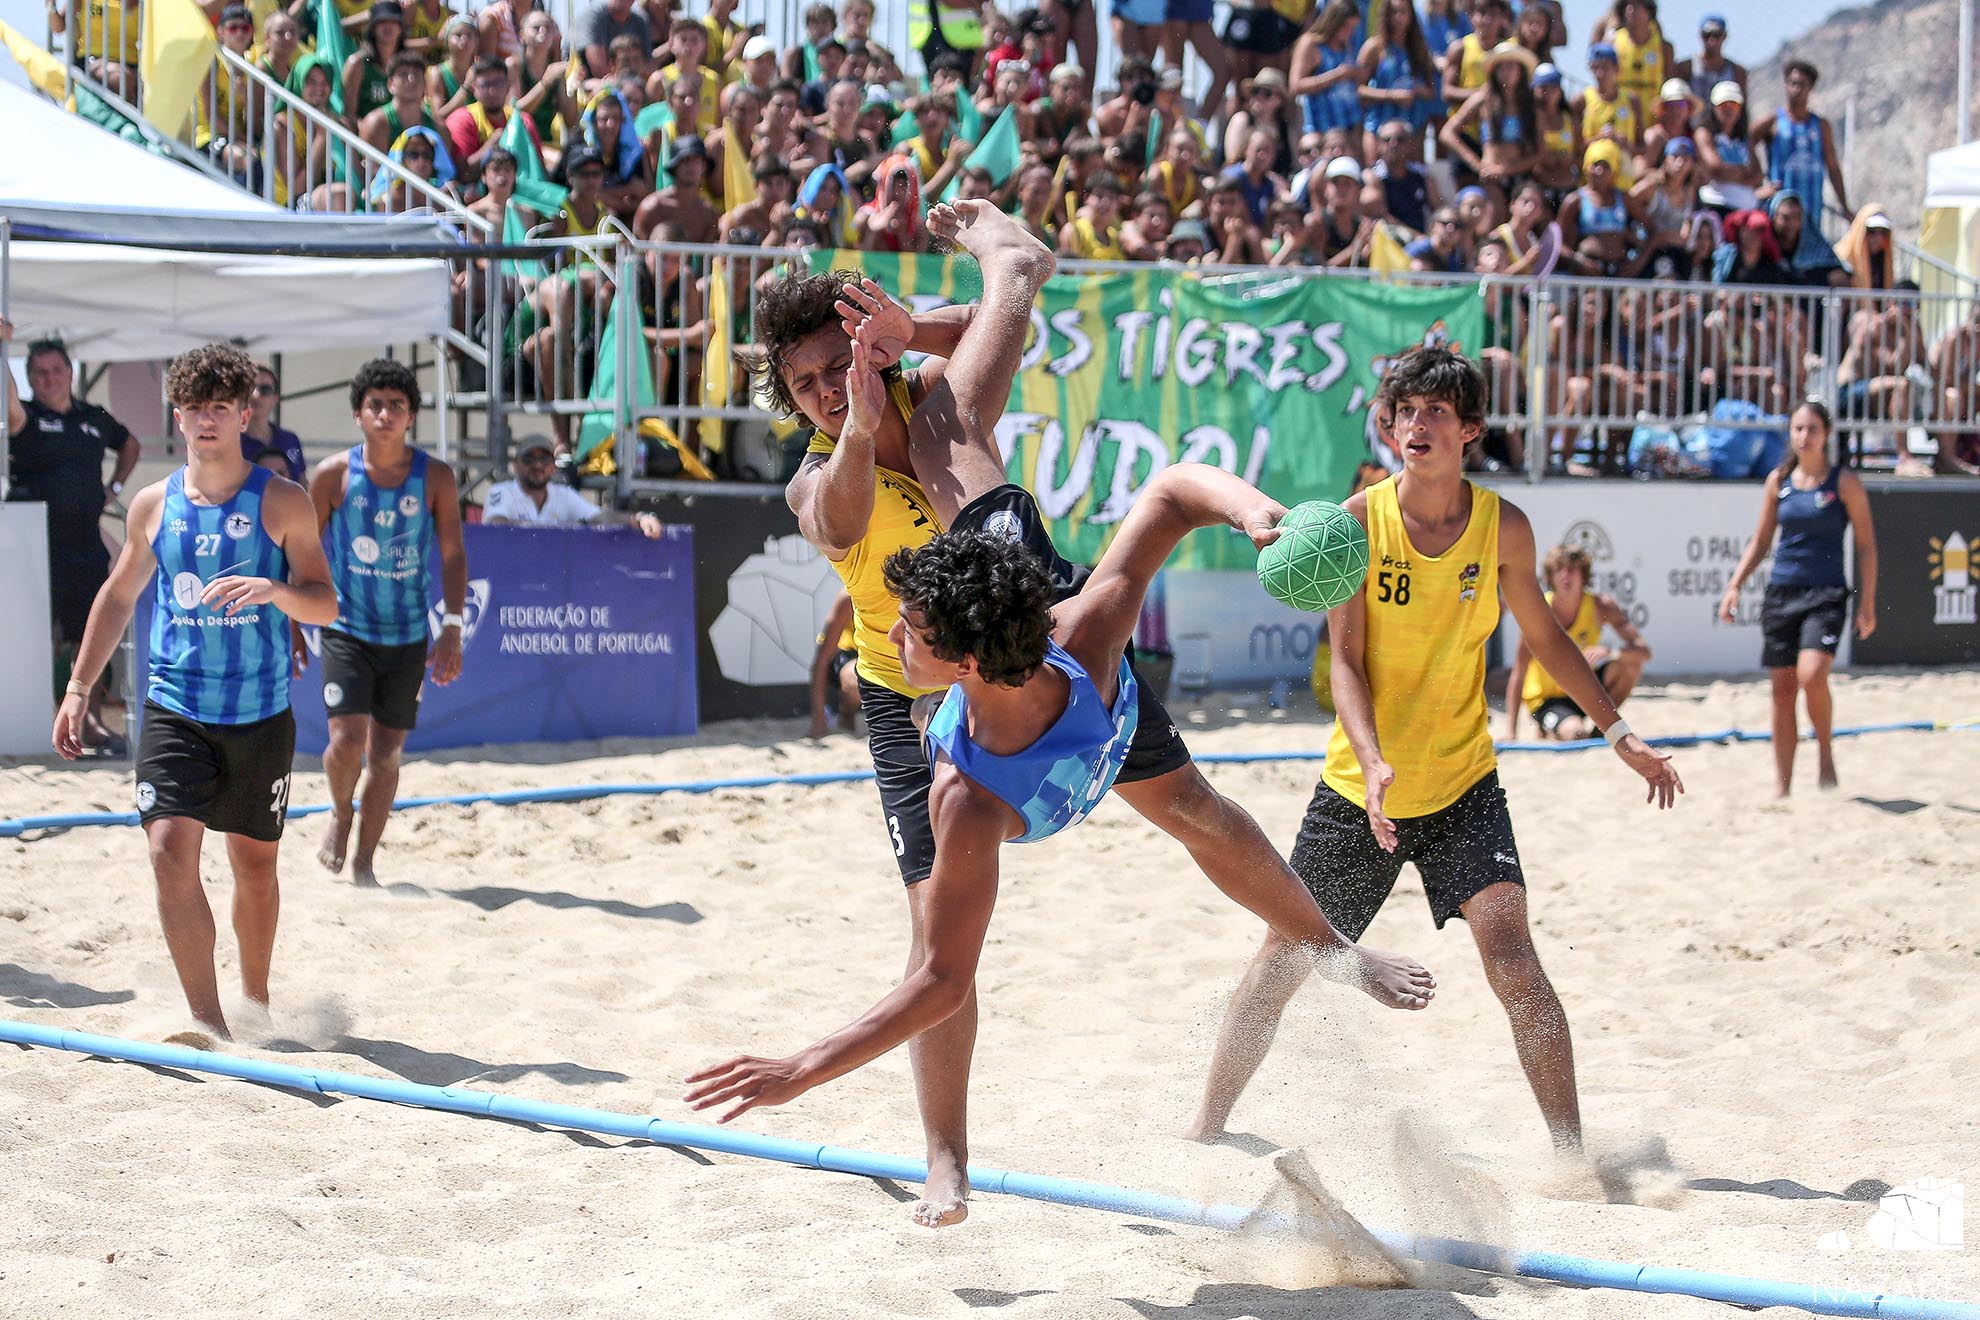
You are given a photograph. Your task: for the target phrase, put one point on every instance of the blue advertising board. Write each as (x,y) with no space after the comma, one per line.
(571,634)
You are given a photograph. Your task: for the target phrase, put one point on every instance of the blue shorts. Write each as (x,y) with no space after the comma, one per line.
(1143,13)
(1188,11)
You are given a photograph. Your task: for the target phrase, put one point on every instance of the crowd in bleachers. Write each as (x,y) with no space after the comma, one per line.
(1349,133)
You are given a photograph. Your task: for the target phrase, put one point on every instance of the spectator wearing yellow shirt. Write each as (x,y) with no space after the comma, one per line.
(1095,231)
(1644,59)
(683,59)
(1605,110)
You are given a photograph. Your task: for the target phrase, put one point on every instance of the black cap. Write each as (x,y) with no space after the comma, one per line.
(390,10)
(236,14)
(580,156)
(687,147)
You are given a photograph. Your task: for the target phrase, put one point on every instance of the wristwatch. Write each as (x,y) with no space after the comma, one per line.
(116,488)
(451,621)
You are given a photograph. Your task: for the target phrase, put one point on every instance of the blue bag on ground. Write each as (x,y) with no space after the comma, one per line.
(1737,452)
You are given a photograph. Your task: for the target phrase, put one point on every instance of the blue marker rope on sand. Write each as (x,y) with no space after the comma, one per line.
(1556,1267)
(11,829)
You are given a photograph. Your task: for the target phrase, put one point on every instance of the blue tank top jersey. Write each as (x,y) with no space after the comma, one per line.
(1338,105)
(1813,523)
(1599,219)
(206,665)
(1055,782)
(1732,150)
(1394,73)
(380,539)
(1794,159)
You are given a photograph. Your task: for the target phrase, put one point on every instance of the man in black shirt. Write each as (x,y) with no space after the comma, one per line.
(55,448)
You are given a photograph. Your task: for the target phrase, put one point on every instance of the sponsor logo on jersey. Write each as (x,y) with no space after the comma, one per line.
(409,505)
(186,590)
(238,525)
(364,550)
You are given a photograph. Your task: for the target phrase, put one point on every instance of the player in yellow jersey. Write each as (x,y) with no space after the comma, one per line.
(900,457)
(1606,110)
(834,672)
(1643,57)
(1583,613)
(1410,773)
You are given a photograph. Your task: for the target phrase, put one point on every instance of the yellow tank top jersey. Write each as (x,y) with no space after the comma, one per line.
(1092,244)
(902,518)
(1586,630)
(1559,141)
(1471,69)
(1428,622)
(1642,68)
(1598,114)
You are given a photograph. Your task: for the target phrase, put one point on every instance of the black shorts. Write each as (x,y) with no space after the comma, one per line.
(1549,714)
(366,678)
(75,574)
(840,659)
(233,778)
(1797,619)
(1262,31)
(900,766)
(1158,747)
(1458,851)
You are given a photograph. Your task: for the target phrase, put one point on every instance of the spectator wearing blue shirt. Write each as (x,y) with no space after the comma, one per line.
(1444,250)
(265,443)
(1254,175)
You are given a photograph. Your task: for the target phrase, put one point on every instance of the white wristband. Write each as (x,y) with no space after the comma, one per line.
(451,621)
(1616,732)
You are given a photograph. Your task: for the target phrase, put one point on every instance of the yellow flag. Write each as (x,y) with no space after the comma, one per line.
(717,364)
(43,69)
(738,184)
(176,52)
(1385,255)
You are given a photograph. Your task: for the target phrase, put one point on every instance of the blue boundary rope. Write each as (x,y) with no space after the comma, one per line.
(11,829)
(1556,1267)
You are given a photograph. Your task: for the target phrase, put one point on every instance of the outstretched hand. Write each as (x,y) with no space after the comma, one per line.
(865,303)
(748,1081)
(1655,767)
(1261,522)
(1376,780)
(866,393)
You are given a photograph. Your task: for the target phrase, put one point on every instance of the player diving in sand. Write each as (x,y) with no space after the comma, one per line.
(1042,714)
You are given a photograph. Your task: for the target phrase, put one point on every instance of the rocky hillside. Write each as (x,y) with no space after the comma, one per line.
(1899,60)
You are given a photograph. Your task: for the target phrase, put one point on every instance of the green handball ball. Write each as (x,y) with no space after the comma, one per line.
(1318,561)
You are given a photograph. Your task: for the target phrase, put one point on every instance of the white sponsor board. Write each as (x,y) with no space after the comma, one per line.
(1665,551)
(27,700)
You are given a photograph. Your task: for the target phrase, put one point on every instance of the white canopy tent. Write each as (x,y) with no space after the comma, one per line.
(156,258)
(1951,215)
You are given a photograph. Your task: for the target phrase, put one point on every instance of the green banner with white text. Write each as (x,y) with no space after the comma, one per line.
(1268,377)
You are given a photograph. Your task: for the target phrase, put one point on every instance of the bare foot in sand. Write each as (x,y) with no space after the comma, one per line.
(336,838)
(363,876)
(945,1196)
(1388,978)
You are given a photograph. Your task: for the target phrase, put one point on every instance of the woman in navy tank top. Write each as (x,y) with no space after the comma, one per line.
(1813,504)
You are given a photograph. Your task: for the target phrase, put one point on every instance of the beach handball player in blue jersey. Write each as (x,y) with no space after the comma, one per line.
(386,509)
(229,554)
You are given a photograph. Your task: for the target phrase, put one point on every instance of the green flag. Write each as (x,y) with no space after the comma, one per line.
(533,186)
(98,111)
(597,426)
(998,152)
(514,233)
(333,44)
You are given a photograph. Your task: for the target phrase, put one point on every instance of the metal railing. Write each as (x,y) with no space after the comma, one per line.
(1578,369)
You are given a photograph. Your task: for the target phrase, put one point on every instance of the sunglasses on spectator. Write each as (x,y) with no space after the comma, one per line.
(237,27)
(536,456)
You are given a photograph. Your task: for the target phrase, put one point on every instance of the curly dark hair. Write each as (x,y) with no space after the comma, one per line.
(1436,373)
(215,373)
(789,312)
(982,597)
(383,374)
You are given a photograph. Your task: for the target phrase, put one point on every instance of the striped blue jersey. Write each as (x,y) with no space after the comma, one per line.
(206,665)
(380,540)
(1061,777)
(1795,160)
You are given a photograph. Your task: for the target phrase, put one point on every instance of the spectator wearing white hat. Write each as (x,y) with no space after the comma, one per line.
(533,499)
(759,64)
(1726,158)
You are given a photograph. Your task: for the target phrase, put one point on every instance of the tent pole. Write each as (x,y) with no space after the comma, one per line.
(6,256)
(1965,72)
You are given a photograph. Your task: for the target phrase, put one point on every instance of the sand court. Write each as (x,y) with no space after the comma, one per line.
(1772,1005)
